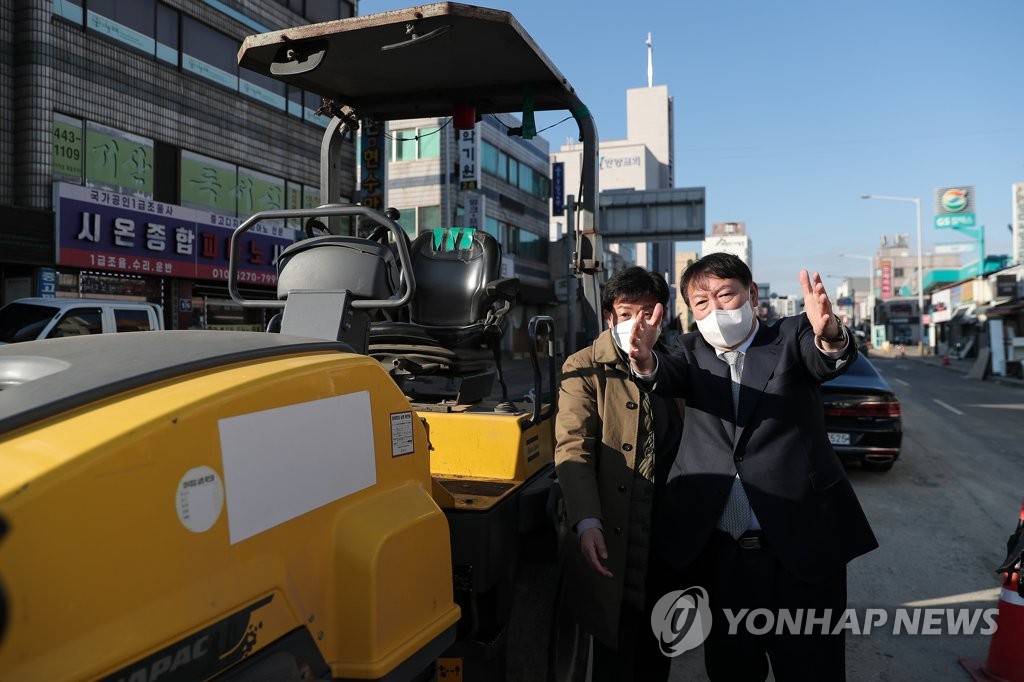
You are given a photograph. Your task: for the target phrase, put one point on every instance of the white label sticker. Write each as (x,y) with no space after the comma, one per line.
(200,498)
(401,434)
(286,461)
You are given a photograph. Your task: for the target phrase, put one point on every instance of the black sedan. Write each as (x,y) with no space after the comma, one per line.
(862,417)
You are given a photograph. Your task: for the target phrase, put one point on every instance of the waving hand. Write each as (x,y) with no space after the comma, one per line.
(818,307)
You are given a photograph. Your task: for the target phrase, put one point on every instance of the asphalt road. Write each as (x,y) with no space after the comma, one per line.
(942,516)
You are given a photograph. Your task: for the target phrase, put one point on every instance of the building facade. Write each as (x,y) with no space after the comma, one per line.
(133,143)
(484,178)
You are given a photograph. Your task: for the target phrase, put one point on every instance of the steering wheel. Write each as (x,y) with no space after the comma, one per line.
(314,224)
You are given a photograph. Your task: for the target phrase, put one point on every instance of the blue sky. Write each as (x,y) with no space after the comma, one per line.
(787,111)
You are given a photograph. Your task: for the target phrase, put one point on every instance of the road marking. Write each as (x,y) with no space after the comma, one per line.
(901,382)
(948,407)
(987,595)
(1017,406)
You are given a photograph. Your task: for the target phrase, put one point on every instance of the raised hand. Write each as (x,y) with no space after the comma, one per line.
(818,307)
(642,340)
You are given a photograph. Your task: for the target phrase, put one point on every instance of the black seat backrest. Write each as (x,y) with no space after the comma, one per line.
(365,268)
(453,267)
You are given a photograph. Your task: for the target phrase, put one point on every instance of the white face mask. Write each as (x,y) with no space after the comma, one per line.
(727,328)
(622,331)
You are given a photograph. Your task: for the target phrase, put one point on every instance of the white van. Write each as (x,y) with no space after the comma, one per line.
(27,319)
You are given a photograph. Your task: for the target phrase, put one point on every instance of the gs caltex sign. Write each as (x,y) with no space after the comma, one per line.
(954,206)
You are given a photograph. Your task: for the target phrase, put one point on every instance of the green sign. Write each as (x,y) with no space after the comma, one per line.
(310,197)
(118,161)
(293,197)
(208,183)
(67,149)
(258,192)
(954,220)
(954,207)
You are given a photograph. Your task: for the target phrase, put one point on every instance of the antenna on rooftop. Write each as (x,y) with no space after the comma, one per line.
(650,61)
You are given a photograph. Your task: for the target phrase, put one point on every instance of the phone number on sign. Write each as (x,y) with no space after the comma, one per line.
(248,276)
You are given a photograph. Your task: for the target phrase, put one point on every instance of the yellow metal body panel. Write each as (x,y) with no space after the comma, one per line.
(100,570)
(485,447)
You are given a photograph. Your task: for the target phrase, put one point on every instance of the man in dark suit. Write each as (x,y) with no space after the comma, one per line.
(757,508)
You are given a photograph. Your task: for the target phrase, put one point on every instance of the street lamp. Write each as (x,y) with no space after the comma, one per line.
(871,280)
(920,264)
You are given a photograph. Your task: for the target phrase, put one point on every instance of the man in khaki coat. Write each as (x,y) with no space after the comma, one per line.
(613,449)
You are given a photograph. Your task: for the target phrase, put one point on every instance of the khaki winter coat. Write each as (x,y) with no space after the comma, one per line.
(597,431)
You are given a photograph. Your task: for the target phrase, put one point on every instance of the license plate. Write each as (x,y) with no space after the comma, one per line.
(449,669)
(839,438)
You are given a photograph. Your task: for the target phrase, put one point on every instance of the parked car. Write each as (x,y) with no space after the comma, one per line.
(27,319)
(863,416)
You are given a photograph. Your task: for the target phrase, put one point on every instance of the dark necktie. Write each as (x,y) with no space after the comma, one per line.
(736,515)
(645,464)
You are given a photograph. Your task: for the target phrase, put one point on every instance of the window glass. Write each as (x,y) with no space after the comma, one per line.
(541,186)
(428,217)
(492,227)
(132,23)
(263,88)
(532,246)
(489,159)
(132,320)
(407,219)
(526,178)
(69,9)
(312,103)
(294,101)
(322,10)
(430,143)
(513,172)
(405,145)
(167,34)
(78,322)
(208,53)
(502,165)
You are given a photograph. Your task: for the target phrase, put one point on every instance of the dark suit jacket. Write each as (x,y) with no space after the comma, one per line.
(796,484)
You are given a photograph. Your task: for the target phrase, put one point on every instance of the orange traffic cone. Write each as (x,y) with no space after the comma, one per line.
(1005,661)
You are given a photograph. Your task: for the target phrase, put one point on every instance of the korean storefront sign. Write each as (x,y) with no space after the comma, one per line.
(373,164)
(469,170)
(103,230)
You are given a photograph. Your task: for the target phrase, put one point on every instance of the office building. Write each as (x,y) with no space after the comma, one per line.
(133,144)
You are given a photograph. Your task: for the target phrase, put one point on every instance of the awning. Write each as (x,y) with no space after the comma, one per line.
(964,314)
(1006,309)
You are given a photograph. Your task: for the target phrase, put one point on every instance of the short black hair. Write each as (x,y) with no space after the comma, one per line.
(631,285)
(721,265)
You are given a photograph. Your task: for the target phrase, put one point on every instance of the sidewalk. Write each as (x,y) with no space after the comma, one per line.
(963,366)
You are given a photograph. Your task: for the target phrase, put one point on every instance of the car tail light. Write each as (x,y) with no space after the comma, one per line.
(869,408)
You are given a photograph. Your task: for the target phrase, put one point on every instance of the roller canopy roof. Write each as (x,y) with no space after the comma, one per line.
(415,62)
